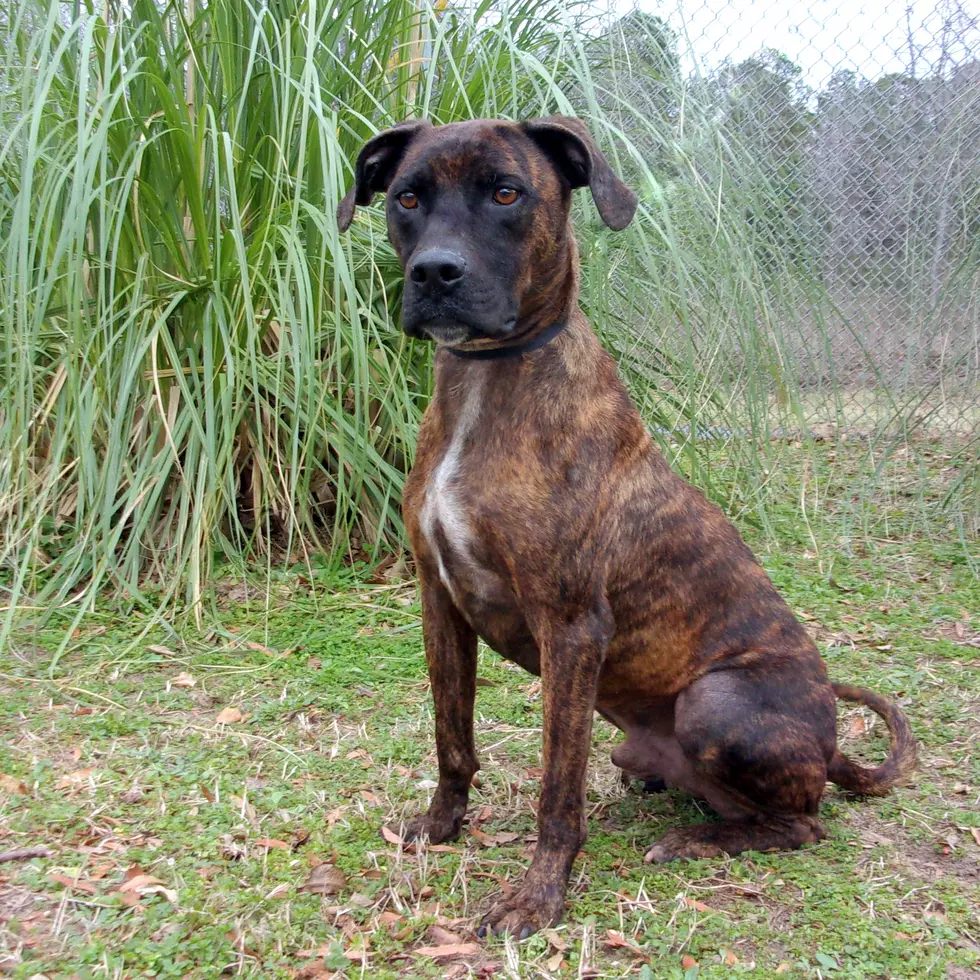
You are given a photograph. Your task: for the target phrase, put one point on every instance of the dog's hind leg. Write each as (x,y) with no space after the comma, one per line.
(763,769)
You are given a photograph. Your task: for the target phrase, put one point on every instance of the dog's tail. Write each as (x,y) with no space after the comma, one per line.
(902,754)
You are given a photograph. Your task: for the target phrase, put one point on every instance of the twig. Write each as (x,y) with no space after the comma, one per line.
(25,854)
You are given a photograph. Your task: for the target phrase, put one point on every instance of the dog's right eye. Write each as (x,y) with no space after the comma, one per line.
(408,200)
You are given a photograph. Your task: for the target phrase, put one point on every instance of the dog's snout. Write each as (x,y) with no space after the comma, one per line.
(437,268)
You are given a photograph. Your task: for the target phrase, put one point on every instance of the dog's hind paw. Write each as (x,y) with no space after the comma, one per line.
(679,843)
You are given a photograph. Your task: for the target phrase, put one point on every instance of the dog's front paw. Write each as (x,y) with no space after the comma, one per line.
(532,907)
(437,826)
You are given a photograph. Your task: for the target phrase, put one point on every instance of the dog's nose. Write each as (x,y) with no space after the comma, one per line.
(437,268)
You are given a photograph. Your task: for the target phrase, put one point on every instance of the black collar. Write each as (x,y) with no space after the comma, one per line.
(496,353)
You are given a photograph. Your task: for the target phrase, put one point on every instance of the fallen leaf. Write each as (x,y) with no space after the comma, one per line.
(82,886)
(246,809)
(857,726)
(143,884)
(74,778)
(443,937)
(783,967)
(183,679)
(11,785)
(278,891)
(324,879)
(555,939)
(687,962)
(617,940)
(730,959)
(162,650)
(975,831)
(961,789)
(259,648)
(208,795)
(391,837)
(269,843)
(494,840)
(555,962)
(313,971)
(699,906)
(445,952)
(229,716)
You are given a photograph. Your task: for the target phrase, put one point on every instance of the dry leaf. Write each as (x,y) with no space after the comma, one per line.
(975,831)
(142,884)
(391,837)
(229,716)
(313,971)
(730,958)
(493,840)
(246,809)
(324,879)
(269,843)
(82,886)
(617,940)
(162,650)
(259,648)
(783,967)
(961,788)
(555,962)
(74,778)
(183,679)
(443,937)
(445,952)
(11,785)
(692,903)
(555,939)
(857,726)
(278,891)
(688,961)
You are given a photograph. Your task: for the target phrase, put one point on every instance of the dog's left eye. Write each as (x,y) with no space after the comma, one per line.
(506,195)
(408,200)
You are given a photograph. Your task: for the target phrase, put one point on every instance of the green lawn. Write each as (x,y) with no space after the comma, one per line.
(179,846)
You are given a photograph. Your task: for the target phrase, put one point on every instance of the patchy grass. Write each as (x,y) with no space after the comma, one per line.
(179,845)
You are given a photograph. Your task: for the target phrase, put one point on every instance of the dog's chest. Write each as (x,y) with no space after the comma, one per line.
(445,515)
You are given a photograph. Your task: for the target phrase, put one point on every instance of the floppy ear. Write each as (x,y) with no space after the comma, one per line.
(575,153)
(376,165)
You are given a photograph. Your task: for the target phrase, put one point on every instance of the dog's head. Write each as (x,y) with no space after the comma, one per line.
(478,215)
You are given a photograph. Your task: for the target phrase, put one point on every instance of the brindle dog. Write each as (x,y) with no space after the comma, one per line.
(544,519)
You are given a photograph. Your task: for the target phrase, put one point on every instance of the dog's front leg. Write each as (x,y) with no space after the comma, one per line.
(572,652)
(450,651)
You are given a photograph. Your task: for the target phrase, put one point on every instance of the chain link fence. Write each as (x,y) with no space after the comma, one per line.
(851,137)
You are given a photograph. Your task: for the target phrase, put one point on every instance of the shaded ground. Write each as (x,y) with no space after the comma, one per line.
(187,787)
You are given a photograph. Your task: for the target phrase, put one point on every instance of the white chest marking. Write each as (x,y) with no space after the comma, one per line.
(442,508)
